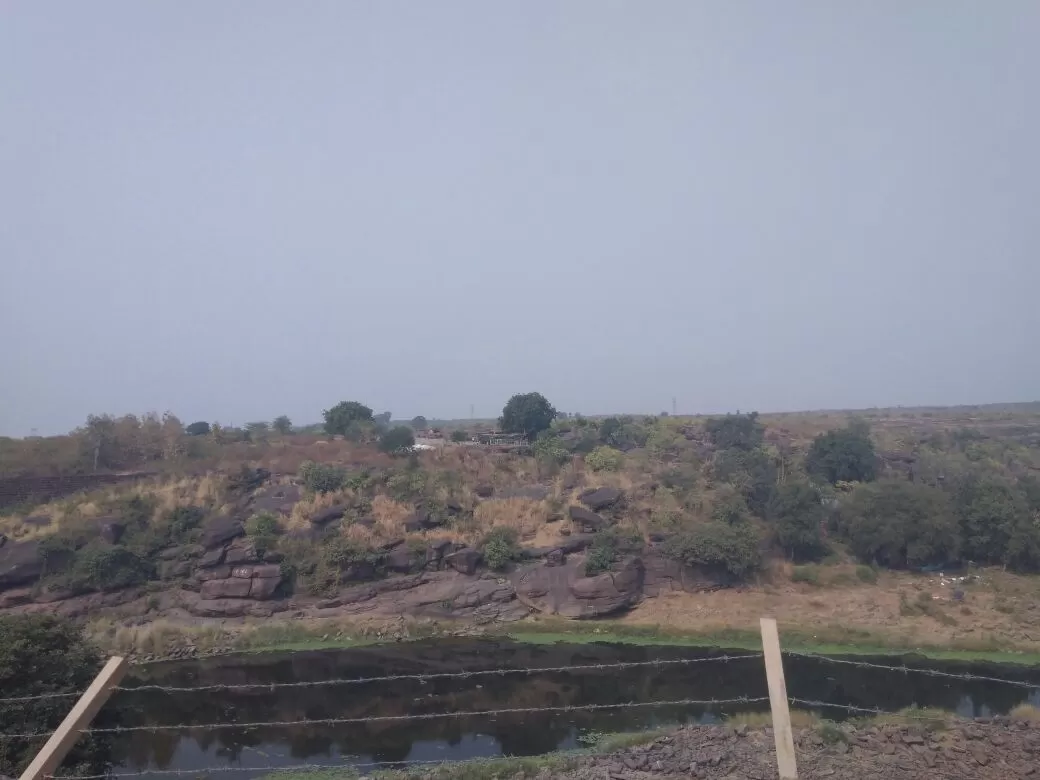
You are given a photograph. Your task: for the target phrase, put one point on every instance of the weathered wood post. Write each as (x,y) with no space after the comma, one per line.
(782,735)
(61,741)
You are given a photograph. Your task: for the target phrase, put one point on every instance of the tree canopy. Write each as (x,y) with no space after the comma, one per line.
(527,413)
(340,417)
(797,515)
(282,424)
(843,455)
(199,428)
(419,422)
(397,439)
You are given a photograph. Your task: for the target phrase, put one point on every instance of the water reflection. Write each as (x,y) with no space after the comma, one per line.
(475,736)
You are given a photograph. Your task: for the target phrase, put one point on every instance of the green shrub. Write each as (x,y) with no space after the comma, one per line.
(810,575)
(500,548)
(866,574)
(897,524)
(262,530)
(99,566)
(321,477)
(718,546)
(43,654)
(796,513)
(407,485)
(182,522)
(845,455)
(459,435)
(397,440)
(605,459)
(607,547)
(344,416)
(551,451)
(735,431)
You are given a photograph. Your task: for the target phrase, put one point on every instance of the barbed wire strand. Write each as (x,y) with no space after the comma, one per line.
(875,711)
(964,677)
(391,718)
(399,677)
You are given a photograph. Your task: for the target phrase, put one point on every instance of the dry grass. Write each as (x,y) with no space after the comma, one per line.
(524,516)
(757,720)
(1028,712)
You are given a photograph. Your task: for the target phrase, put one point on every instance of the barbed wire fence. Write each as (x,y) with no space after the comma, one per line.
(814,705)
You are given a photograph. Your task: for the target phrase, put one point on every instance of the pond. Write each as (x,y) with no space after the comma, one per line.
(383,729)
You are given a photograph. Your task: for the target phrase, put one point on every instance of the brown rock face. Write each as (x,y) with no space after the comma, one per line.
(464,561)
(600,498)
(219,530)
(562,590)
(232,587)
(20,564)
(589,521)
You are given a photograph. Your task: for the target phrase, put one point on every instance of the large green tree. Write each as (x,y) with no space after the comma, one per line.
(282,424)
(527,413)
(900,524)
(843,455)
(996,526)
(340,418)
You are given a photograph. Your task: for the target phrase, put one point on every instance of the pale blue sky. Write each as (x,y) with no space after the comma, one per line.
(236,210)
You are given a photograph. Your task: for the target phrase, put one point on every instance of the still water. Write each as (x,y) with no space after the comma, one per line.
(400,741)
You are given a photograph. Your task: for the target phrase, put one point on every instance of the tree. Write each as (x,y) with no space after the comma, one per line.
(398,439)
(735,431)
(42,654)
(282,424)
(796,512)
(382,421)
(843,455)
(900,524)
(199,428)
(257,430)
(459,435)
(995,522)
(419,423)
(527,413)
(340,417)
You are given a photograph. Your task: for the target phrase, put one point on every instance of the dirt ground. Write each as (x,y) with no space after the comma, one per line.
(999,611)
(1003,749)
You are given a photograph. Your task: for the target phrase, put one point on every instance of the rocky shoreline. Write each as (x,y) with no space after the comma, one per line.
(1001,748)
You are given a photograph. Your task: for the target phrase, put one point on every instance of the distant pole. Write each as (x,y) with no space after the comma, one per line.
(471,413)
(673,406)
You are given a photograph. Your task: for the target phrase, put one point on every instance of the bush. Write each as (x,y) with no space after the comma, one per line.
(182,522)
(282,424)
(730,507)
(500,548)
(321,477)
(419,423)
(397,440)
(99,566)
(752,471)
(899,524)
(735,431)
(809,575)
(551,451)
(200,428)
(459,435)
(262,530)
(718,546)
(605,459)
(42,654)
(995,524)
(866,574)
(607,547)
(845,455)
(340,418)
(527,413)
(796,512)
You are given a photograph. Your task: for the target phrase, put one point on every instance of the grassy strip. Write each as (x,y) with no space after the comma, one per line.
(485,768)
(821,641)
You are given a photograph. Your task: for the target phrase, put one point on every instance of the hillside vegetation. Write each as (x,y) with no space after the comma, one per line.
(840,497)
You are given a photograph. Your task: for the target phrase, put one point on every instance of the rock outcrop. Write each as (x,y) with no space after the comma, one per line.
(20,563)
(564,590)
(598,499)
(220,530)
(586,520)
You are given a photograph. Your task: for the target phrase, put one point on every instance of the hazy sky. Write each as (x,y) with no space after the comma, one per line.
(236,210)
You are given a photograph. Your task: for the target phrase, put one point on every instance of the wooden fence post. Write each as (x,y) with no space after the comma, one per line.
(782,735)
(61,741)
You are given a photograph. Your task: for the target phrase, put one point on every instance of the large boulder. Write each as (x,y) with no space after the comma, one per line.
(399,560)
(588,521)
(241,551)
(529,492)
(464,561)
(111,530)
(421,520)
(220,530)
(20,564)
(325,516)
(484,490)
(231,588)
(598,499)
(564,590)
